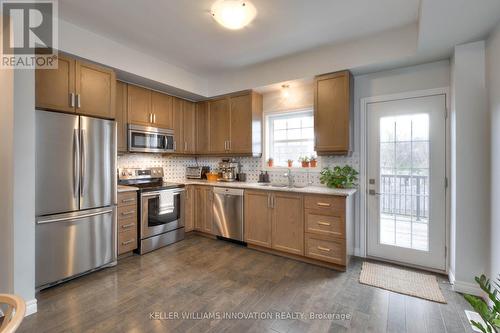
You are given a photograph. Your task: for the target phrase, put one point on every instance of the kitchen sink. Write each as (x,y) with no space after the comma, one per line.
(281,185)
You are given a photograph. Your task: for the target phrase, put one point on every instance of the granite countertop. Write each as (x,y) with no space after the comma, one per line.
(259,186)
(124,188)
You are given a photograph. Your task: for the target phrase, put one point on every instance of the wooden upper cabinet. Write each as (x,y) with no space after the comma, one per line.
(95,88)
(55,88)
(258,212)
(219,121)
(288,223)
(162,110)
(202,128)
(121,115)
(139,105)
(241,124)
(189,126)
(178,125)
(333,106)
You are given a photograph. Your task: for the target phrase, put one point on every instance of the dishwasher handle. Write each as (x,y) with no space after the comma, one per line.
(228,191)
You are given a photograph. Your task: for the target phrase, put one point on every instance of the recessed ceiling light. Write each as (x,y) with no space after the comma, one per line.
(233,14)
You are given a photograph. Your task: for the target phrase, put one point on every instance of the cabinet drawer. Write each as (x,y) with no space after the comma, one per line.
(127,241)
(330,205)
(322,248)
(127,224)
(325,224)
(127,212)
(127,198)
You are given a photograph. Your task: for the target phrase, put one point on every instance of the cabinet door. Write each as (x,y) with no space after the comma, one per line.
(202,129)
(189,206)
(208,223)
(95,87)
(258,218)
(121,116)
(288,223)
(139,105)
(178,126)
(199,208)
(219,118)
(332,112)
(189,126)
(241,124)
(53,87)
(161,107)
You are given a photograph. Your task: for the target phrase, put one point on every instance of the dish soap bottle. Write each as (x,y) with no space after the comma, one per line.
(261,177)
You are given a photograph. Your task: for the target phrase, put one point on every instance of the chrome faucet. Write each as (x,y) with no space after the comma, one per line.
(289,175)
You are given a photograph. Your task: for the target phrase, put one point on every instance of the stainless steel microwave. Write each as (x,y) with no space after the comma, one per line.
(145,139)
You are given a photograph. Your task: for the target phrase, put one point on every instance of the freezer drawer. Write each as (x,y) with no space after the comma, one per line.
(70,244)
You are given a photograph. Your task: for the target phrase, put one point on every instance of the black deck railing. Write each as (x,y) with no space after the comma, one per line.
(405,195)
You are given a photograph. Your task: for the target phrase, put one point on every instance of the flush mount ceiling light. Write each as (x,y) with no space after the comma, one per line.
(233,14)
(286,90)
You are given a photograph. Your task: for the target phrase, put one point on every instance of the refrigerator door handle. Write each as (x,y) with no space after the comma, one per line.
(76,163)
(74,217)
(83,163)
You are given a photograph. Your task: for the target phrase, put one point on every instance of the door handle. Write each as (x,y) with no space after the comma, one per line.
(78,101)
(72,100)
(76,217)
(323,204)
(324,223)
(373,192)
(83,161)
(324,249)
(185,145)
(228,144)
(154,118)
(128,242)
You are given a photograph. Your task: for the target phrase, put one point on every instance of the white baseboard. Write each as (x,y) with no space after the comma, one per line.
(31,307)
(451,277)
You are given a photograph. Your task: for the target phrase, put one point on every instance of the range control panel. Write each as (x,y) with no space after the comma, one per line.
(140,173)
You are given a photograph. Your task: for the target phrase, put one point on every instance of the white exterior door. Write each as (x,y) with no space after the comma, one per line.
(406,181)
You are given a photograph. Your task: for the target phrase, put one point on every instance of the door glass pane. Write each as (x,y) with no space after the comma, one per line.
(404,181)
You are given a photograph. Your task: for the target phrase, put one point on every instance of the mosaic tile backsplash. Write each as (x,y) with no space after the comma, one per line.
(174,168)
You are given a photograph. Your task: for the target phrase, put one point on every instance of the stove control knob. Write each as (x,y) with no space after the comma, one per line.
(124,173)
(130,173)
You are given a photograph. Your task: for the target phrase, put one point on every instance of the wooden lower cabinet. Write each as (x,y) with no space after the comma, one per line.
(189,206)
(313,228)
(127,222)
(258,214)
(203,216)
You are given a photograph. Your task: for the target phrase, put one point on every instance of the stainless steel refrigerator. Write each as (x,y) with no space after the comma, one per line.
(75,196)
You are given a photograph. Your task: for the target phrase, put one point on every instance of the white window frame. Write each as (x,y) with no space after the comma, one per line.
(296,167)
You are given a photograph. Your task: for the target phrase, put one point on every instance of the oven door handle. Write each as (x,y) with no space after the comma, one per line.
(157,193)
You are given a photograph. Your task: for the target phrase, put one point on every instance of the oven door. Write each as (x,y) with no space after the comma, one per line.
(150,140)
(161,212)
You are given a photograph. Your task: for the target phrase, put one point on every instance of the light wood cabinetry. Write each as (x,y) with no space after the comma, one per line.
(288,223)
(178,126)
(203,216)
(202,128)
(258,218)
(121,116)
(333,108)
(189,206)
(76,86)
(127,222)
(162,110)
(189,126)
(219,120)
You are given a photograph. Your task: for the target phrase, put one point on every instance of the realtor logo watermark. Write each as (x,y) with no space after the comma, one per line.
(29,38)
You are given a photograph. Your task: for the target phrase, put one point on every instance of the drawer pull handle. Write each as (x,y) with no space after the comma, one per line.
(324,223)
(126,226)
(325,249)
(323,204)
(128,200)
(128,242)
(128,213)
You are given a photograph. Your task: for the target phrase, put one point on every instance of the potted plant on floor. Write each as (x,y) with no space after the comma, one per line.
(314,161)
(339,177)
(490,314)
(290,163)
(305,161)
(270,162)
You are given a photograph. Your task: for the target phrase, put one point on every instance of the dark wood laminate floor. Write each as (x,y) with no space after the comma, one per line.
(203,275)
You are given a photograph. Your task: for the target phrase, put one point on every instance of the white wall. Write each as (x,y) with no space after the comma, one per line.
(471,172)
(493,80)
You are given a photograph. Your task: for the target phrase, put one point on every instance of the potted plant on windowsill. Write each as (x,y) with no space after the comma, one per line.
(314,161)
(270,162)
(304,161)
(290,163)
(339,177)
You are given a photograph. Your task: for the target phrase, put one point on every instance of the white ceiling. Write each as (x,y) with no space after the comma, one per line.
(183,33)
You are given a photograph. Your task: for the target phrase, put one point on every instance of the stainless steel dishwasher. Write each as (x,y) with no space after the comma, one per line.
(228,213)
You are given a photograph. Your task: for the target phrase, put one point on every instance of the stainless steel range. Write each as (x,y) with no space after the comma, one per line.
(161,208)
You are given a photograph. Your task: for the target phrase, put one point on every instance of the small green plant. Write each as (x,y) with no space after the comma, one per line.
(490,314)
(339,177)
(304,159)
(313,158)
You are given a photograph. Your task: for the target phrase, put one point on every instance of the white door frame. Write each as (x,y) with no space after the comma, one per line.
(363,177)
